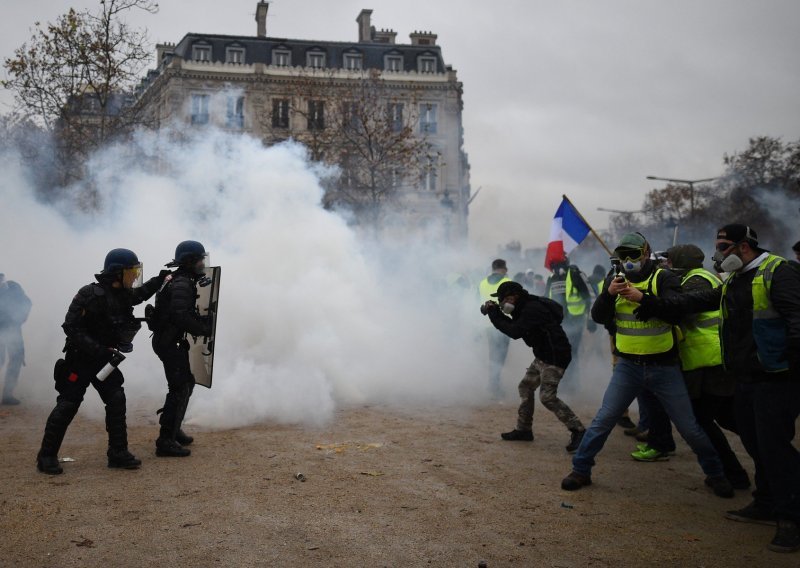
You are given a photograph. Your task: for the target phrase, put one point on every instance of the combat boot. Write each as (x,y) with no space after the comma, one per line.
(575,440)
(169,448)
(54,431)
(48,464)
(518,435)
(183,438)
(122,459)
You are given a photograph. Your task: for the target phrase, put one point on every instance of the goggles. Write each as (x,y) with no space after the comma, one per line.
(629,254)
(722,247)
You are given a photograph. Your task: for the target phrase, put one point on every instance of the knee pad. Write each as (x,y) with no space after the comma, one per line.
(66,409)
(116,399)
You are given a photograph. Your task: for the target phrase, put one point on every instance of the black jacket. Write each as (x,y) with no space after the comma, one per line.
(176,313)
(604,308)
(101,317)
(738,347)
(535,320)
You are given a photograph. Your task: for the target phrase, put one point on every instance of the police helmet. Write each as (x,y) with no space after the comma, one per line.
(188,252)
(119,259)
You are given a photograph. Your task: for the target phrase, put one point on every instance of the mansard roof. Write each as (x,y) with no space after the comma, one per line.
(259,50)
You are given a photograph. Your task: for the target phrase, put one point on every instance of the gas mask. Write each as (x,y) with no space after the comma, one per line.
(730,263)
(632,266)
(508,307)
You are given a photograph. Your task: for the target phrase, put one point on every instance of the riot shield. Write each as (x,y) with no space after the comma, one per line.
(201,349)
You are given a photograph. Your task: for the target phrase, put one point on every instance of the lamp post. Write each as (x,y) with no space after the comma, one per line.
(628,214)
(690,183)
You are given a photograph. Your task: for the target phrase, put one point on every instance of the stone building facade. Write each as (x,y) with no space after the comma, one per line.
(258,84)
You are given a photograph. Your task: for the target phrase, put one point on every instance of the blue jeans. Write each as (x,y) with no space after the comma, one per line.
(666,383)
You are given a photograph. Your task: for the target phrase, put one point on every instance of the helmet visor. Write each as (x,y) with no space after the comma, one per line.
(132,276)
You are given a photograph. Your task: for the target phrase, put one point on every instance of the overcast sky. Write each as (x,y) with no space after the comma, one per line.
(578,97)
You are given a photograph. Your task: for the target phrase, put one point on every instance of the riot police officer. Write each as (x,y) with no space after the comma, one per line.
(99,325)
(174,317)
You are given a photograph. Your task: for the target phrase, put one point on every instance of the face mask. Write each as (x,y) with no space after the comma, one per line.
(730,263)
(508,307)
(631,266)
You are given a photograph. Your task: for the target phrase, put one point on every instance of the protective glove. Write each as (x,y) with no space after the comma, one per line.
(163,274)
(591,326)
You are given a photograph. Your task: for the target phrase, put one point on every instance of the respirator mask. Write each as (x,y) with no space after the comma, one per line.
(508,307)
(730,263)
(631,260)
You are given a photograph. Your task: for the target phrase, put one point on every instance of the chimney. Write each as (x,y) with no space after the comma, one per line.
(364,27)
(261,18)
(423,38)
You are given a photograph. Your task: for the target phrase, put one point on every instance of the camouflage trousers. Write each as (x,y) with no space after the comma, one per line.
(548,377)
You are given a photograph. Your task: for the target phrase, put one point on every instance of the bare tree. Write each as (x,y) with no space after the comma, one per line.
(71,77)
(367,129)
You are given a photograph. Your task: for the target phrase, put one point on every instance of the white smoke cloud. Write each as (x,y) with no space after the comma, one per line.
(310,317)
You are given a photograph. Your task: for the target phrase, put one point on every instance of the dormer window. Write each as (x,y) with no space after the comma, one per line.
(393,62)
(201,52)
(281,57)
(315,59)
(426,64)
(353,61)
(234,55)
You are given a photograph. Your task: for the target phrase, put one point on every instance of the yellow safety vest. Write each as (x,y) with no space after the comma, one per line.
(769,329)
(701,346)
(634,337)
(485,289)
(576,304)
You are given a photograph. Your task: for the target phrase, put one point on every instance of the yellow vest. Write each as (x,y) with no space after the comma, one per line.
(576,304)
(636,337)
(485,289)
(700,346)
(769,329)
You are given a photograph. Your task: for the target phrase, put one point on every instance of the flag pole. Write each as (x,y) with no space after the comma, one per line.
(596,236)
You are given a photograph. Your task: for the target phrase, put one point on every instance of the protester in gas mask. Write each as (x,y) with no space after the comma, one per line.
(648,359)
(759,306)
(537,321)
(99,325)
(710,387)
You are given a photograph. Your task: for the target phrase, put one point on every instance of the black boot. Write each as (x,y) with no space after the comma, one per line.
(518,436)
(117,428)
(167,447)
(122,459)
(174,408)
(183,438)
(575,440)
(48,464)
(54,431)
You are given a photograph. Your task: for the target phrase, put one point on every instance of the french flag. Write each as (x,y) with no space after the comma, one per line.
(568,231)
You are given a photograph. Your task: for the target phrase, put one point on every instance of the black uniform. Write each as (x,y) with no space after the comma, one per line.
(176,316)
(100,318)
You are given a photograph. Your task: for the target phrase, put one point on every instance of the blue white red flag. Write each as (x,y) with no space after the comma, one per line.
(568,231)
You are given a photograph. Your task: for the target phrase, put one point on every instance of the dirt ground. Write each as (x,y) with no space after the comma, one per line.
(384,487)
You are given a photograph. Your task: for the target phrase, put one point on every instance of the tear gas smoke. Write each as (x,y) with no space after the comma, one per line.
(309,317)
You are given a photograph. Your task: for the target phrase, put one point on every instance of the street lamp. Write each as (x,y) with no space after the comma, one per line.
(690,183)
